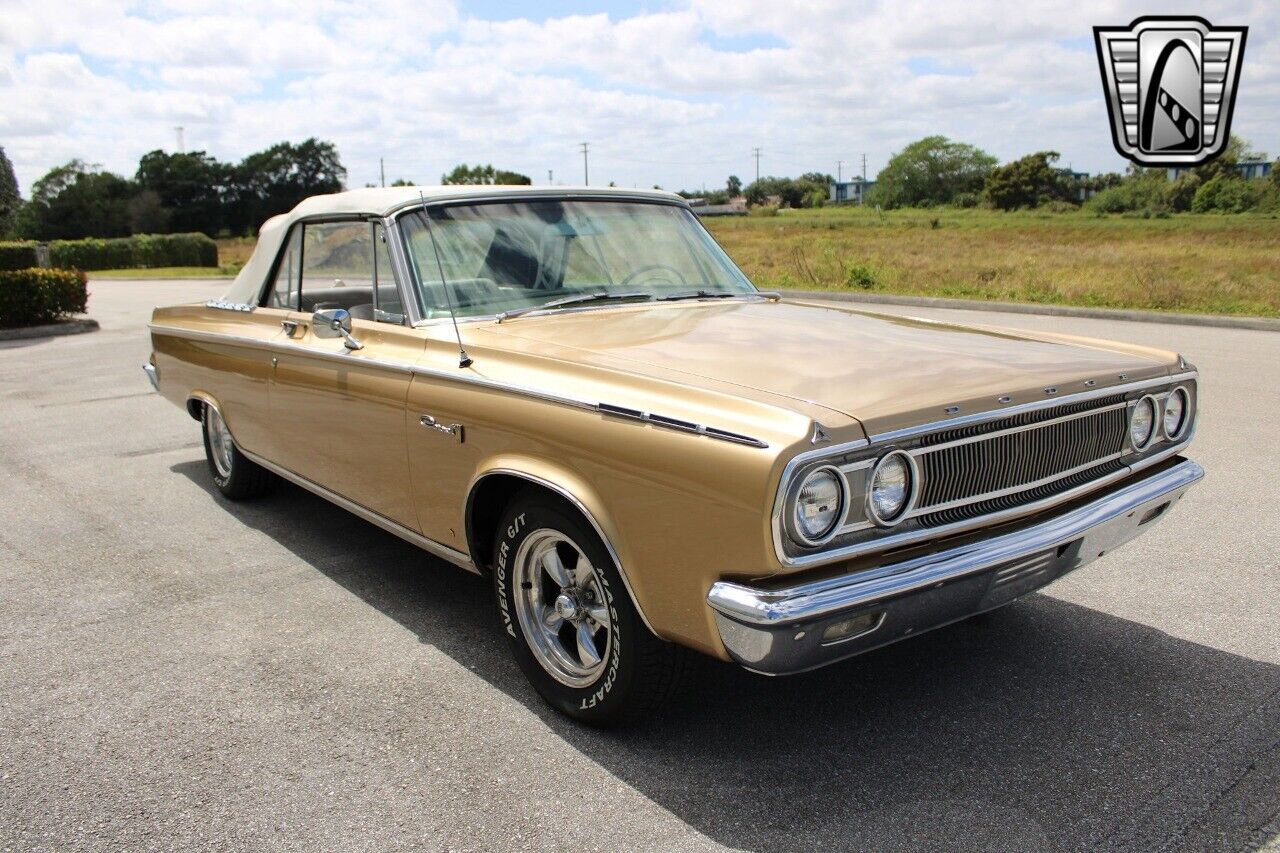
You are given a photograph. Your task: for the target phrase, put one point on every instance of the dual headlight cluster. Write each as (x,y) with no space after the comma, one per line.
(820,503)
(1174,416)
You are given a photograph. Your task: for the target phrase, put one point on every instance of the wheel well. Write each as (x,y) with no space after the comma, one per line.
(195,408)
(490,498)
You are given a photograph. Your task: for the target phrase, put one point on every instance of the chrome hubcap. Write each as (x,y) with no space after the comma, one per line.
(561,608)
(219,441)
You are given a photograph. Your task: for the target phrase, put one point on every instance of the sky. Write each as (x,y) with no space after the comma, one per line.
(677,93)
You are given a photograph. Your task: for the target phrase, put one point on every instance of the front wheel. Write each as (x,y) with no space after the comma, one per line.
(570,621)
(236,476)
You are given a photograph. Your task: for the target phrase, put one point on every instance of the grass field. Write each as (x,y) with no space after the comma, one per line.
(224,271)
(1194,263)
(1202,264)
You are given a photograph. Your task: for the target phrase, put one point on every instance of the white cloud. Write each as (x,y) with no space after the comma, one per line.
(424,84)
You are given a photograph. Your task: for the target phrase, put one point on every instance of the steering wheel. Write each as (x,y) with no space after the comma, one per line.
(651,268)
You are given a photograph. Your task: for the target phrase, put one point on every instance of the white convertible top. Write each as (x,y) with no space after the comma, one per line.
(384,201)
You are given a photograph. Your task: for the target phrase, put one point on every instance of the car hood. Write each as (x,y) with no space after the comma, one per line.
(889,372)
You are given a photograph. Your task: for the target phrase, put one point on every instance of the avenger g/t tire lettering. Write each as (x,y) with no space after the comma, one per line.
(571,623)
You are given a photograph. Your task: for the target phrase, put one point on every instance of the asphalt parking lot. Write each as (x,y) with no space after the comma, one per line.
(180,671)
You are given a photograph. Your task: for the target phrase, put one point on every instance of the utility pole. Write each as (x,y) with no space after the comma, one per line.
(756,153)
(586,181)
(839,172)
(551,180)
(382,171)
(178,131)
(864,168)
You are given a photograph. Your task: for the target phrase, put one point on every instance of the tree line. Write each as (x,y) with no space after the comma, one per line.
(189,191)
(175,193)
(936,172)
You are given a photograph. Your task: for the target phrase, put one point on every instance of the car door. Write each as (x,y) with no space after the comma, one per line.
(339,411)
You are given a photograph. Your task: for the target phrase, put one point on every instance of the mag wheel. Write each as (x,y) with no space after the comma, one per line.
(570,620)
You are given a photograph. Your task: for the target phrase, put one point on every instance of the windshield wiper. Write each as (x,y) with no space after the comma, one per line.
(576,299)
(700,294)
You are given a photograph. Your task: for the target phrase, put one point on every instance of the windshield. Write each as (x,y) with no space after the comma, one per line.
(504,258)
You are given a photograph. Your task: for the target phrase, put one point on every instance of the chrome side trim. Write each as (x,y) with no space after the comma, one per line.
(150,370)
(346,357)
(444,552)
(997,414)
(817,599)
(677,424)
(586,513)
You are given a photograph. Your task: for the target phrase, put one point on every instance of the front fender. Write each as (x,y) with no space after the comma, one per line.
(568,484)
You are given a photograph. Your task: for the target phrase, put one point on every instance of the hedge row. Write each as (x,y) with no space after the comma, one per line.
(18,256)
(37,296)
(140,250)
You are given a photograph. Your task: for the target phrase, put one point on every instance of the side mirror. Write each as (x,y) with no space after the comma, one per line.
(334,323)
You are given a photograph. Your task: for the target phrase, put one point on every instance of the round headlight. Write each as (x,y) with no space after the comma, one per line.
(1142,423)
(1175,413)
(819,506)
(890,487)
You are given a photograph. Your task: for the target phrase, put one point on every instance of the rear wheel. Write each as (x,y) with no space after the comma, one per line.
(570,621)
(236,476)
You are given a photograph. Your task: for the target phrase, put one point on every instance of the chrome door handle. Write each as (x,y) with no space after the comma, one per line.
(455,430)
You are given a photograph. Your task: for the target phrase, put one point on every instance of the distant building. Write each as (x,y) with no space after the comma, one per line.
(1081,180)
(854,190)
(1248,169)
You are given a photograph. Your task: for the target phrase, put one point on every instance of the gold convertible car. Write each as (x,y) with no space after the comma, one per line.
(577,393)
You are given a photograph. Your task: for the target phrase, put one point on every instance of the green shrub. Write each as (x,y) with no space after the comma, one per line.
(1142,193)
(140,250)
(18,256)
(1225,194)
(35,296)
(763,210)
(861,277)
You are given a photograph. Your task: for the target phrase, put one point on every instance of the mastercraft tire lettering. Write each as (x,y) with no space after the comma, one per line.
(572,626)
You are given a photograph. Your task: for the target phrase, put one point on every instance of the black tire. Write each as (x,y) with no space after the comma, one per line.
(242,478)
(638,671)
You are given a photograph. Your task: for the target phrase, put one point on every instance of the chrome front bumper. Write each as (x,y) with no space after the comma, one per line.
(780,631)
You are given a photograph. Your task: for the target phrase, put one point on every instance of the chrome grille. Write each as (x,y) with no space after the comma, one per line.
(1009,458)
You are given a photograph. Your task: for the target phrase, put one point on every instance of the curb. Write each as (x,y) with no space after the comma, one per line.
(1263,324)
(53,330)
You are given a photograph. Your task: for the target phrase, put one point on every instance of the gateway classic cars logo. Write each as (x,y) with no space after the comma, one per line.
(1171,84)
